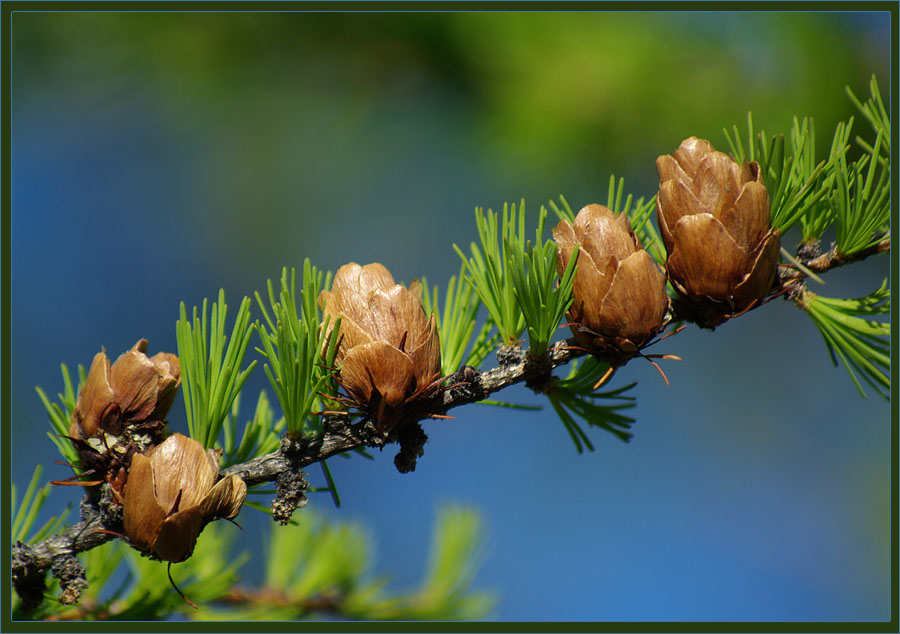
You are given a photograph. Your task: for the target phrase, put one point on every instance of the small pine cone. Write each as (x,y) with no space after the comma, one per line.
(620,292)
(713,215)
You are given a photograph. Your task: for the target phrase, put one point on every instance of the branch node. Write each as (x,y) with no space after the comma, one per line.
(336,424)
(464,385)
(27,577)
(796,293)
(290,495)
(540,370)
(292,447)
(109,510)
(510,355)
(69,571)
(374,438)
(541,384)
(412,439)
(290,484)
(809,250)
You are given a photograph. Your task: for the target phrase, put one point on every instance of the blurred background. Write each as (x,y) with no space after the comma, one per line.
(158,157)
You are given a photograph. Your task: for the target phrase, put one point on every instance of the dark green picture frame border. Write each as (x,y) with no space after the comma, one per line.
(9,8)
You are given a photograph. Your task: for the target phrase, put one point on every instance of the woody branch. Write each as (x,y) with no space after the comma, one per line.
(30,563)
(831,259)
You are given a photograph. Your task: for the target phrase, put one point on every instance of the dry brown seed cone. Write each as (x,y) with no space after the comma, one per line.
(133,390)
(121,410)
(389,350)
(620,292)
(713,216)
(171,494)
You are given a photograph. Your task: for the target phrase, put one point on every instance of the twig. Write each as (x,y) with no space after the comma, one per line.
(832,259)
(802,267)
(30,563)
(268,598)
(471,386)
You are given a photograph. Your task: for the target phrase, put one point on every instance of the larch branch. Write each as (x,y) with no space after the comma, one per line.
(31,563)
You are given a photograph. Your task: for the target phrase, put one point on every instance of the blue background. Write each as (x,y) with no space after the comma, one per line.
(159,157)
